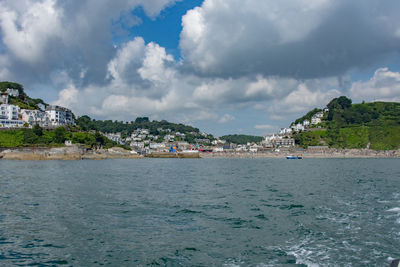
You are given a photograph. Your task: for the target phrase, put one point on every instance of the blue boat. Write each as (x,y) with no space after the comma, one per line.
(293,157)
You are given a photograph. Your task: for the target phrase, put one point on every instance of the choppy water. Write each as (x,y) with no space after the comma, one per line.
(200,212)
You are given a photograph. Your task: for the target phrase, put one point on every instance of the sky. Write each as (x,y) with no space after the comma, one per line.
(226,67)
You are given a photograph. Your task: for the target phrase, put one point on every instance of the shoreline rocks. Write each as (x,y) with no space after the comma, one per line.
(65,153)
(80,153)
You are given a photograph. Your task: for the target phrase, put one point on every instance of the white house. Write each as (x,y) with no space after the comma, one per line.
(9,112)
(298,127)
(218,149)
(285,131)
(306,123)
(315,120)
(13,92)
(59,115)
(33,117)
(11,123)
(4,98)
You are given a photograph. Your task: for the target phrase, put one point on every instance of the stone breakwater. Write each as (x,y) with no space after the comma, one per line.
(64,153)
(328,153)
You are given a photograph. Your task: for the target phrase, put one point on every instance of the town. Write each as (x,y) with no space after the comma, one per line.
(143,141)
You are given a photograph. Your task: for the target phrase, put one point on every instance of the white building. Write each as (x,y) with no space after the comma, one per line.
(33,117)
(59,115)
(298,127)
(9,115)
(315,120)
(285,131)
(157,146)
(137,145)
(13,92)
(306,123)
(218,149)
(4,98)
(116,137)
(9,112)
(169,137)
(11,123)
(277,141)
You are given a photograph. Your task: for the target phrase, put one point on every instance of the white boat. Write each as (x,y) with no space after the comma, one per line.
(293,157)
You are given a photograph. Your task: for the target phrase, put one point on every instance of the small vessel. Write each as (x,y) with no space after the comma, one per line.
(293,157)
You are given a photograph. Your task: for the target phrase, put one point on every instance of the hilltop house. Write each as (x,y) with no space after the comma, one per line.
(12,92)
(317,118)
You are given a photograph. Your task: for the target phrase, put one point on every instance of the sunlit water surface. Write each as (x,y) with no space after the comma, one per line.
(200,212)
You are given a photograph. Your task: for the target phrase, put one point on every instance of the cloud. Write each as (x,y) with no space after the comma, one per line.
(47,36)
(264,127)
(290,38)
(276,59)
(226,118)
(383,86)
(305,96)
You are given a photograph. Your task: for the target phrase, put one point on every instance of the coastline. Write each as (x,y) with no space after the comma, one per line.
(79,153)
(66,153)
(328,153)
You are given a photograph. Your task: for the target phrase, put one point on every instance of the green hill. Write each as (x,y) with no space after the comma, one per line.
(23,100)
(241,139)
(156,128)
(375,125)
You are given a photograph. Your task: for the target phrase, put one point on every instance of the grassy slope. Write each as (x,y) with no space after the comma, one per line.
(382,133)
(11,138)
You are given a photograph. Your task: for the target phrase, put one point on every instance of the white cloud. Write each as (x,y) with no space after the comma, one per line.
(28,34)
(226,118)
(68,96)
(293,38)
(264,127)
(304,97)
(383,86)
(277,58)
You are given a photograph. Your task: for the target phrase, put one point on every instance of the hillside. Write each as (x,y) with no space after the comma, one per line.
(23,100)
(157,128)
(241,139)
(375,125)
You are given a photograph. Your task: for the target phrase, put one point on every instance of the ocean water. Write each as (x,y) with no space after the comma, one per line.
(200,212)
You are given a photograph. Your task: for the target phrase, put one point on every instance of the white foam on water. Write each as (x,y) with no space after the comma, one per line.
(397,209)
(302,255)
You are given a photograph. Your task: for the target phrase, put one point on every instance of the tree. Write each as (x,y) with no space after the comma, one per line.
(59,135)
(37,130)
(344,102)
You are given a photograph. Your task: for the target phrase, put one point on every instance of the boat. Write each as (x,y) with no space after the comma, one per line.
(293,157)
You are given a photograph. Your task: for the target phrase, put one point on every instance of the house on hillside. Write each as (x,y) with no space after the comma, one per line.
(33,117)
(12,92)
(3,98)
(9,115)
(59,115)
(9,112)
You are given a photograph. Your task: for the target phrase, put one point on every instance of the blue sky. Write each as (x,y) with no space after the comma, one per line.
(163,29)
(226,67)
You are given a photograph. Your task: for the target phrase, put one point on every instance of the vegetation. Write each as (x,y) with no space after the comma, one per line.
(375,125)
(241,139)
(308,116)
(53,138)
(156,128)
(23,100)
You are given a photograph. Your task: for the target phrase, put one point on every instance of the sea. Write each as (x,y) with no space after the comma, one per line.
(200,212)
